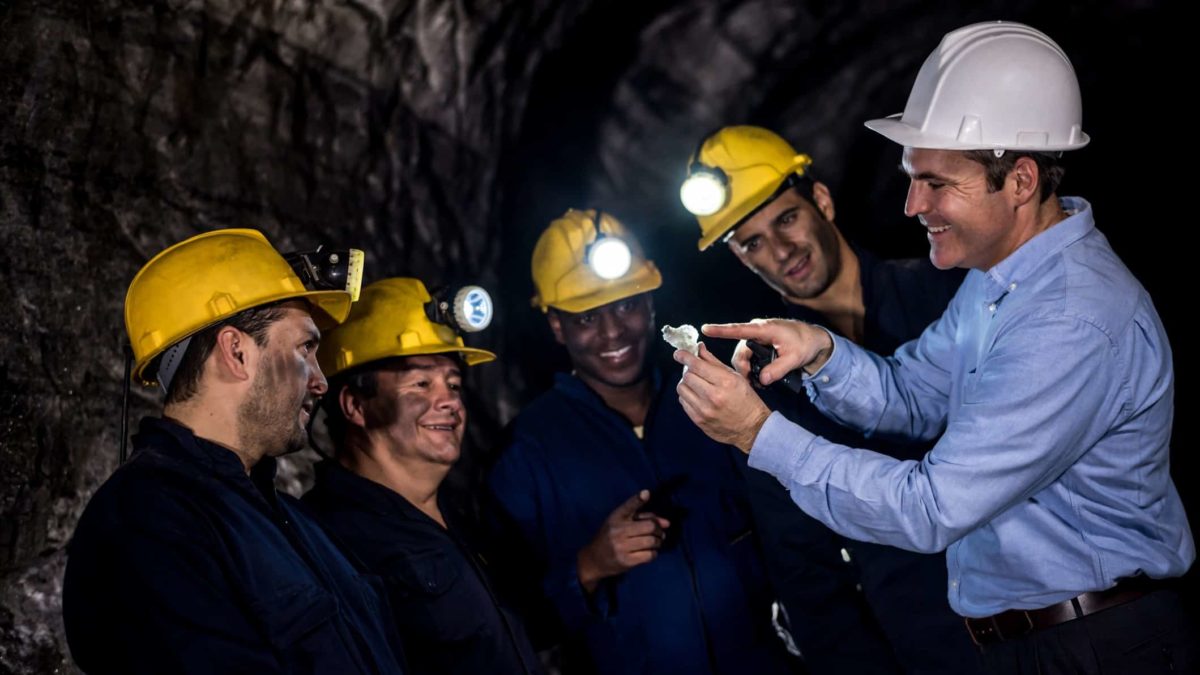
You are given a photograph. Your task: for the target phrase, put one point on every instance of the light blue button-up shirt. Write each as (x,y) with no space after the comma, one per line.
(1049,381)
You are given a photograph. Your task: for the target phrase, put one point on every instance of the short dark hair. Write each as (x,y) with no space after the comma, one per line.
(362,382)
(255,322)
(1050,171)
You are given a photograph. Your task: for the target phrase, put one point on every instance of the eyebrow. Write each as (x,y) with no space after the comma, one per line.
(924,175)
(454,370)
(313,334)
(783,214)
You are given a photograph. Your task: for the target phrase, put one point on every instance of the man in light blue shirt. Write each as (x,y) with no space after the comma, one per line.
(1048,380)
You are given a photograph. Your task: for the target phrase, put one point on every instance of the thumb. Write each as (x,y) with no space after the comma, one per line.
(630,506)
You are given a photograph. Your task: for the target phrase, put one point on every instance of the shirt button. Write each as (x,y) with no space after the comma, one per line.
(845,555)
(824,379)
(992,307)
(954,583)
(1012,286)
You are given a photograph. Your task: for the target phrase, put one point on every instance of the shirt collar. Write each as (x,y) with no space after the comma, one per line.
(339,483)
(172,439)
(1021,263)
(571,385)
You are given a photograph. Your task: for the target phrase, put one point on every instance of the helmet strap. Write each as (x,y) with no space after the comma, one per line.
(170,362)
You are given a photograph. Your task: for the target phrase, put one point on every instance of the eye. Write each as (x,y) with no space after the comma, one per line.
(455,386)
(751,245)
(308,347)
(586,319)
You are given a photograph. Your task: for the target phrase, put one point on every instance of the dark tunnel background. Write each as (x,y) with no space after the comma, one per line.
(442,137)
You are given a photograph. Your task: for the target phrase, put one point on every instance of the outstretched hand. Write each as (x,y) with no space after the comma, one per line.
(797,345)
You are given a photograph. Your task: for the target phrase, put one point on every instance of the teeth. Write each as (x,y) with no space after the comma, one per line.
(938,230)
(617,353)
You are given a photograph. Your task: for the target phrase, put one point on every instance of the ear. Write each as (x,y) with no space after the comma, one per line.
(823,200)
(1024,179)
(234,354)
(555,326)
(352,407)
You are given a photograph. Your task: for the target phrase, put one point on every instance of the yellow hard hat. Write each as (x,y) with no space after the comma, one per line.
(562,275)
(389,320)
(735,171)
(210,277)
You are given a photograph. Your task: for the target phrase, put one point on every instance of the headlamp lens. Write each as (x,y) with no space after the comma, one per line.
(704,192)
(610,258)
(472,309)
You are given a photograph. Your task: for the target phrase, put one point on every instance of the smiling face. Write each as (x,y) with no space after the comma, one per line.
(418,409)
(608,345)
(967,225)
(792,244)
(286,386)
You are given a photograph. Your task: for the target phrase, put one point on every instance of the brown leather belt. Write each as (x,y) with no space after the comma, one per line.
(1016,623)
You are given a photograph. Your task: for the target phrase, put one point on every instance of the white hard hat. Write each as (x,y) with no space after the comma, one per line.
(994,85)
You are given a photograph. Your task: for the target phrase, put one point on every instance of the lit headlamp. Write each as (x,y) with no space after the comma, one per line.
(468,309)
(608,255)
(329,269)
(705,191)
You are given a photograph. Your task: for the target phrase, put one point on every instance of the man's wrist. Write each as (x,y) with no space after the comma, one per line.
(823,354)
(756,425)
(588,578)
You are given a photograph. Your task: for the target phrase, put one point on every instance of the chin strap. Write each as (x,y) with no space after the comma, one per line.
(169,362)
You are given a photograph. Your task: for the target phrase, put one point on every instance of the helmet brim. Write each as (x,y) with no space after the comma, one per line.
(896,130)
(645,280)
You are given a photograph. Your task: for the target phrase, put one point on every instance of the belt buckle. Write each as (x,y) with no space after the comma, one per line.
(1027,629)
(993,626)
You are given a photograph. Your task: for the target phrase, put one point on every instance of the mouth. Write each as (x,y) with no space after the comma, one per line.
(800,268)
(617,354)
(307,409)
(448,427)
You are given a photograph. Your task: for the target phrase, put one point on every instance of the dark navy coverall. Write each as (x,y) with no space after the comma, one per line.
(703,605)
(182,563)
(443,602)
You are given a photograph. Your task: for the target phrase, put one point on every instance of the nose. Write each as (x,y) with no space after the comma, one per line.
(447,398)
(610,326)
(917,201)
(781,248)
(317,384)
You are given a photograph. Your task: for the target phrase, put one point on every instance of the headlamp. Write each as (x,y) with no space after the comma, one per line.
(329,269)
(609,257)
(468,309)
(705,191)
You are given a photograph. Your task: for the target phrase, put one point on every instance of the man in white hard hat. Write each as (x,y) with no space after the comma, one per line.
(1048,379)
